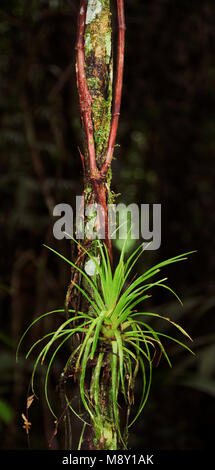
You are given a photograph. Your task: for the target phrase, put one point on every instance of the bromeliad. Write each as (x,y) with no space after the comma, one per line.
(112,330)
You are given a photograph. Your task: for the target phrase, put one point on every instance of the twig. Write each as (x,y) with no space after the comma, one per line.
(84,95)
(118,87)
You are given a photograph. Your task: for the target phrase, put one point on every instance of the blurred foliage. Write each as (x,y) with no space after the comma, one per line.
(166,155)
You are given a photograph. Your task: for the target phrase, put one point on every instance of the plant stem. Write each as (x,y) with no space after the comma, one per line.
(84,95)
(118,86)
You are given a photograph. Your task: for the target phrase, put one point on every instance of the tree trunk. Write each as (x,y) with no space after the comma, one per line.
(100,110)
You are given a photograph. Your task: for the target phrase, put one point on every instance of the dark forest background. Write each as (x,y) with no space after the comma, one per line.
(165,154)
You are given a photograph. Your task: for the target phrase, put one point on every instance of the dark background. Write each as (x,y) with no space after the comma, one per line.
(166,155)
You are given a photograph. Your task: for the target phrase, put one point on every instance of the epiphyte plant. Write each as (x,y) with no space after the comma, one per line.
(116,340)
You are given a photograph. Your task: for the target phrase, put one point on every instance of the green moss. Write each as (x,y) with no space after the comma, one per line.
(105,434)
(88,44)
(93,82)
(101,117)
(108,46)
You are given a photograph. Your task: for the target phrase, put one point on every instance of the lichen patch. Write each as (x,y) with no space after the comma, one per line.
(93,9)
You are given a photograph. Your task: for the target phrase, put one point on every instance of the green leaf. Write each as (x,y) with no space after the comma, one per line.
(96,334)
(33,323)
(6,412)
